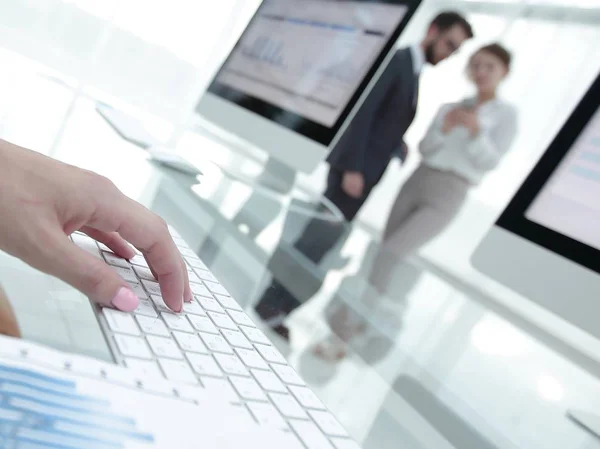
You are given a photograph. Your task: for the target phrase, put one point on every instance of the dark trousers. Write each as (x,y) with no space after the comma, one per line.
(317,239)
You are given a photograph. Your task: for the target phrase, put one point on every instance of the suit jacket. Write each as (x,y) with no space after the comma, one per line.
(376,132)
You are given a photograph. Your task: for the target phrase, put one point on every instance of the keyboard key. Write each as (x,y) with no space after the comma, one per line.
(144,273)
(216,288)
(342,443)
(103,247)
(126,273)
(310,435)
(271,354)
(269,381)
(204,364)
(221,388)
(194,308)
(254,335)
(236,338)
(190,342)
(231,364)
(196,263)
(240,318)
(248,388)
(87,244)
(113,259)
(159,304)
(288,406)
(288,375)
(139,260)
(207,276)
(222,321)
(132,346)
(200,290)
(145,308)
(267,415)
(152,287)
(203,324)
(178,371)
(328,423)
(195,393)
(210,304)
(216,343)
(252,358)
(187,252)
(138,290)
(229,303)
(120,322)
(153,326)
(193,277)
(164,347)
(240,413)
(143,368)
(307,398)
(177,322)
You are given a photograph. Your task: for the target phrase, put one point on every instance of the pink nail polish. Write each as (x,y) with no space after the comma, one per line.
(125,300)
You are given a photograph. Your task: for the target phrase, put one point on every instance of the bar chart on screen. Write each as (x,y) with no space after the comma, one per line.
(570,203)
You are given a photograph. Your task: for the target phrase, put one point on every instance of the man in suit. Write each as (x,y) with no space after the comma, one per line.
(364,151)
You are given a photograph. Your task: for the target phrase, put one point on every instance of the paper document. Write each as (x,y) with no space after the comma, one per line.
(54,400)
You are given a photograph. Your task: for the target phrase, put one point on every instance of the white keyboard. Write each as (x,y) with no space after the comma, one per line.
(212,345)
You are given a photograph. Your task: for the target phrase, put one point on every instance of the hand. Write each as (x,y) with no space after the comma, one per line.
(43,201)
(451,120)
(353,183)
(8,322)
(468,119)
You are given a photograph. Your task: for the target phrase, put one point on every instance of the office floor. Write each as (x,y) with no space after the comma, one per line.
(459,376)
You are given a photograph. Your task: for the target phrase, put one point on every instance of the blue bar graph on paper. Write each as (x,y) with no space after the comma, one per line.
(39,411)
(589,156)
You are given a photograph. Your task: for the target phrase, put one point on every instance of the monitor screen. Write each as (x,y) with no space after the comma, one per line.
(302,63)
(570,201)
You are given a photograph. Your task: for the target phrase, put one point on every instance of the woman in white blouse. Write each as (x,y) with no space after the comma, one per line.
(465,141)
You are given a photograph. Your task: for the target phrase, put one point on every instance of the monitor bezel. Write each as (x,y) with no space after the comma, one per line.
(303,126)
(514,217)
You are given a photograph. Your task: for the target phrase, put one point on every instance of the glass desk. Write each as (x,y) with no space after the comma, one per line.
(440,371)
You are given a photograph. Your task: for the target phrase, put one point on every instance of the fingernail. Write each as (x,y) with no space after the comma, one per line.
(125,300)
(189,297)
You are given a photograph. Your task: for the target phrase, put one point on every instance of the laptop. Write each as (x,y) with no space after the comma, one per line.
(211,347)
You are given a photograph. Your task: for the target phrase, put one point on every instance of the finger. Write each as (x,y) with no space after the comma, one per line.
(187,291)
(60,257)
(8,322)
(113,240)
(149,233)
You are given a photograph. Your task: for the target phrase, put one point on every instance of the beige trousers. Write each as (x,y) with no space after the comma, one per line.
(427,203)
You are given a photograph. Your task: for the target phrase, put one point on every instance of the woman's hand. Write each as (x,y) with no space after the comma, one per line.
(460,116)
(451,120)
(43,201)
(468,119)
(8,321)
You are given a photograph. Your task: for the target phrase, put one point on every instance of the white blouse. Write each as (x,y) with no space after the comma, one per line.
(464,155)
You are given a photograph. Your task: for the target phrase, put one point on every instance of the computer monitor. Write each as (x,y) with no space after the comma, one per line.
(299,70)
(546,244)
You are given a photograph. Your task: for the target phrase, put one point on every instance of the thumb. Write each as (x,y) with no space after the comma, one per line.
(87,272)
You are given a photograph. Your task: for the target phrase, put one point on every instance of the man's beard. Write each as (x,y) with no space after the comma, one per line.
(430,52)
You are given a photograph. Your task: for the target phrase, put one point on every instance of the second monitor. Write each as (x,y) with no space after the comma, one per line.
(295,76)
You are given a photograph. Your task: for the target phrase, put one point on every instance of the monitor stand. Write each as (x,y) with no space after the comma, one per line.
(586,420)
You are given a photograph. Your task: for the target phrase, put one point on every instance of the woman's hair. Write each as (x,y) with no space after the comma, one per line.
(497,50)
